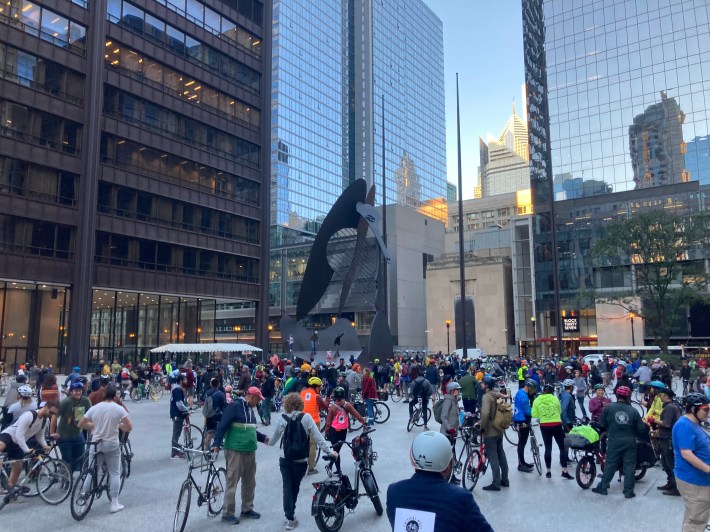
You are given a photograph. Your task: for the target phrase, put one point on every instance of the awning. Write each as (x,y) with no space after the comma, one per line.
(204,348)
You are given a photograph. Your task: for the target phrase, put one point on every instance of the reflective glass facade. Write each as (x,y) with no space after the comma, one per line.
(618,99)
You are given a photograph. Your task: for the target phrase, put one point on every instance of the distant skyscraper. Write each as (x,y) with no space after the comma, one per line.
(327,107)
(451,194)
(698,159)
(656,145)
(504,163)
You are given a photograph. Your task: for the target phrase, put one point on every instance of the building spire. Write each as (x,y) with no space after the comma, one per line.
(513,105)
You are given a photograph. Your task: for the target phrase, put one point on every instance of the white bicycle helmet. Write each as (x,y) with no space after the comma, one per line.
(431,451)
(568,383)
(24,391)
(452,386)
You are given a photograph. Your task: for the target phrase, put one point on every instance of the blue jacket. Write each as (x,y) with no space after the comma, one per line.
(455,509)
(568,408)
(521,407)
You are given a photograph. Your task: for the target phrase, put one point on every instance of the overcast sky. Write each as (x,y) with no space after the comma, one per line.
(483,42)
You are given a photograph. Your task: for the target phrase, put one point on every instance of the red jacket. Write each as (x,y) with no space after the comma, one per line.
(369,389)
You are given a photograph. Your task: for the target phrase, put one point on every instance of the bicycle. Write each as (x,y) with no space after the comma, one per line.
(467,437)
(511,434)
(145,391)
(51,477)
(476,463)
(417,417)
(332,497)
(126,457)
(380,410)
(535,448)
(192,437)
(90,485)
(213,492)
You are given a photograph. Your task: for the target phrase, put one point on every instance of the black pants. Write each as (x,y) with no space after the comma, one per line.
(548,433)
(470,405)
(620,453)
(425,403)
(292,474)
(667,459)
(336,437)
(523,435)
(177,429)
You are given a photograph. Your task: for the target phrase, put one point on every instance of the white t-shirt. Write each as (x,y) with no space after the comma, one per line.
(106,416)
(16,410)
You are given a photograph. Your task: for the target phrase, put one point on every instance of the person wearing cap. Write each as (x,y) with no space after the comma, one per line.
(65,427)
(670,414)
(450,417)
(428,497)
(493,437)
(238,433)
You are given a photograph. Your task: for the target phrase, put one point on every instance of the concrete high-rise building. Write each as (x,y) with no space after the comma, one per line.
(132,173)
(590,69)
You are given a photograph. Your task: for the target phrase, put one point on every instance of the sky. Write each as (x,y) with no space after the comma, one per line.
(483,42)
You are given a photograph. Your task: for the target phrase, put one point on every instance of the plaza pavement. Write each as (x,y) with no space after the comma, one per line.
(531,502)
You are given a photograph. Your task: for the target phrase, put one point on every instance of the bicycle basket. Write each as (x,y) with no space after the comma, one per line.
(359,445)
(198,459)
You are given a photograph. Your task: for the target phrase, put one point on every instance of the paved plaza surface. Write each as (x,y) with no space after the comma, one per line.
(531,502)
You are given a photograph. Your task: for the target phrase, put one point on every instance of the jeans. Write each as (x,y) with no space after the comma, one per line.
(523,435)
(497,459)
(72,449)
(370,405)
(266,410)
(557,432)
(618,453)
(177,429)
(292,474)
(240,466)
(111,453)
(580,400)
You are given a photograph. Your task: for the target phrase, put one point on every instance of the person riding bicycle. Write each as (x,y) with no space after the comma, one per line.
(522,412)
(13,440)
(104,421)
(623,425)
(75,375)
(427,496)
(450,417)
(598,402)
(145,372)
(24,403)
(421,389)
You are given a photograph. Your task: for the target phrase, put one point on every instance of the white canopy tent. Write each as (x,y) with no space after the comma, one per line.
(204,348)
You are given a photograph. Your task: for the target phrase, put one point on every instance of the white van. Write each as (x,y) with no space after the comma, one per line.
(594,357)
(472,353)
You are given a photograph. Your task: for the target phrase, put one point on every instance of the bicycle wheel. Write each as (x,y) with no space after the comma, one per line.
(28,476)
(640,473)
(412,420)
(81,502)
(382,412)
(471,470)
(136,397)
(127,456)
(511,434)
(54,481)
(183,507)
(536,456)
(368,482)
(354,424)
(155,393)
(586,472)
(192,437)
(329,516)
(396,396)
(217,488)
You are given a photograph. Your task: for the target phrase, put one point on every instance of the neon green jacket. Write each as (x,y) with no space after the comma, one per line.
(547,409)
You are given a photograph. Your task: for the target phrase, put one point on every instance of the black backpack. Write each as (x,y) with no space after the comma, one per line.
(295,440)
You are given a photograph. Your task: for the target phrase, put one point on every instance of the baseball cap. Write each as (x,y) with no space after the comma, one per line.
(253,390)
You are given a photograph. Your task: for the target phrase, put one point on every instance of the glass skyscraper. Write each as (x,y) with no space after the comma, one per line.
(618,98)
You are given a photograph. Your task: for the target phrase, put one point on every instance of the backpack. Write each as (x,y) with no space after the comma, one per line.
(295,442)
(208,409)
(437,410)
(503,417)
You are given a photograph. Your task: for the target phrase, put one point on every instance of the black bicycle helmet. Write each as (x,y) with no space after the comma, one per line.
(339,393)
(489,382)
(694,399)
(549,388)
(530,383)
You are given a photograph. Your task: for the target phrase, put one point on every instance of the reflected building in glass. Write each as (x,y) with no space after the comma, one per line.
(618,120)
(132,162)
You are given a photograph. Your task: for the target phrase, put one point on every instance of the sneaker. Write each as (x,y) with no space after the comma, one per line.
(666,486)
(426,428)
(505,483)
(115,507)
(491,487)
(599,490)
(548,475)
(291,524)
(251,514)
(566,475)
(673,492)
(630,495)
(230,519)
(177,456)
(312,471)
(531,466)
(525,468)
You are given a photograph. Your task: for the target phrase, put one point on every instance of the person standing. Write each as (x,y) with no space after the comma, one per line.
(293,470)
(623,425)
(598,402)
(313,405)
(692,462)
(268,389)
(493,437)
(104,421)
(522,417)
(548,410)
(580,385)
(237,430)
(669,416)
(65,427)
(178,412)
(450,417)
(469,386)
(218,400)
(369,394)
(569,416)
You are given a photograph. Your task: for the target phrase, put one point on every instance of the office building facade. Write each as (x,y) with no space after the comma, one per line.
(131,173)
(615,91)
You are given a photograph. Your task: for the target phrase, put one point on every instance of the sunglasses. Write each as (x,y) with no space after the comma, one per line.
(704,407)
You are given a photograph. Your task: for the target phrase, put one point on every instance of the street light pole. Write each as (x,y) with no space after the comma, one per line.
(448,346)
(632,315)
(534,328)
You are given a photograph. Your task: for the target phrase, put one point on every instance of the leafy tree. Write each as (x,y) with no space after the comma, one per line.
(661,246)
